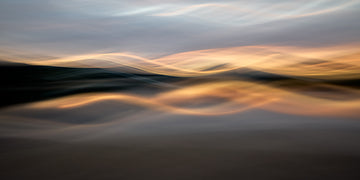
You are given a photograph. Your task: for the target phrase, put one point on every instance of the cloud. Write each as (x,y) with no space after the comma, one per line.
(155,28)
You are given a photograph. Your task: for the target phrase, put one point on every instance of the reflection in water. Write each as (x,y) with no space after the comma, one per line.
(287,103)
(181,89)
(218,98)
(214,82)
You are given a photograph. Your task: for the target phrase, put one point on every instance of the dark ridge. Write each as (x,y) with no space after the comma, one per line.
(321,88)
(271,78)
(216,67)
(347,82)
(21,83)
(248,74)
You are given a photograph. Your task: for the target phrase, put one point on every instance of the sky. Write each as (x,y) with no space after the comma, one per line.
(156,28)
(267,85)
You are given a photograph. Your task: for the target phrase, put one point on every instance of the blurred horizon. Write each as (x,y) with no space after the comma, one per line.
(155,89)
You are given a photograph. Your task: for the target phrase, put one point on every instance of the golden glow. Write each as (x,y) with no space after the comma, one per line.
(228,97)
(335,61)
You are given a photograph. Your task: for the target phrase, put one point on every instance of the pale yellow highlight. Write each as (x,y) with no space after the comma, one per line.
(230,97)
(291,61)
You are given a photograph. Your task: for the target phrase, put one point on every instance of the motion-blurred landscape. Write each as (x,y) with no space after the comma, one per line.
(179,90)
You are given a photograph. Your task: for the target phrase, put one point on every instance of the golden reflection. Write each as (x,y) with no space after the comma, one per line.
(213,87)
(227,97)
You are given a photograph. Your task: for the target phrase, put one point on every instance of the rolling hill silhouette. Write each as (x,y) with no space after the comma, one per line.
(23,83)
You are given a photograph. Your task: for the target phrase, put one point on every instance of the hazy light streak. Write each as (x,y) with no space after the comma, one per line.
(247,14)
(238,96)
(189,9)
(167,101)
(290,40)
(275,59)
